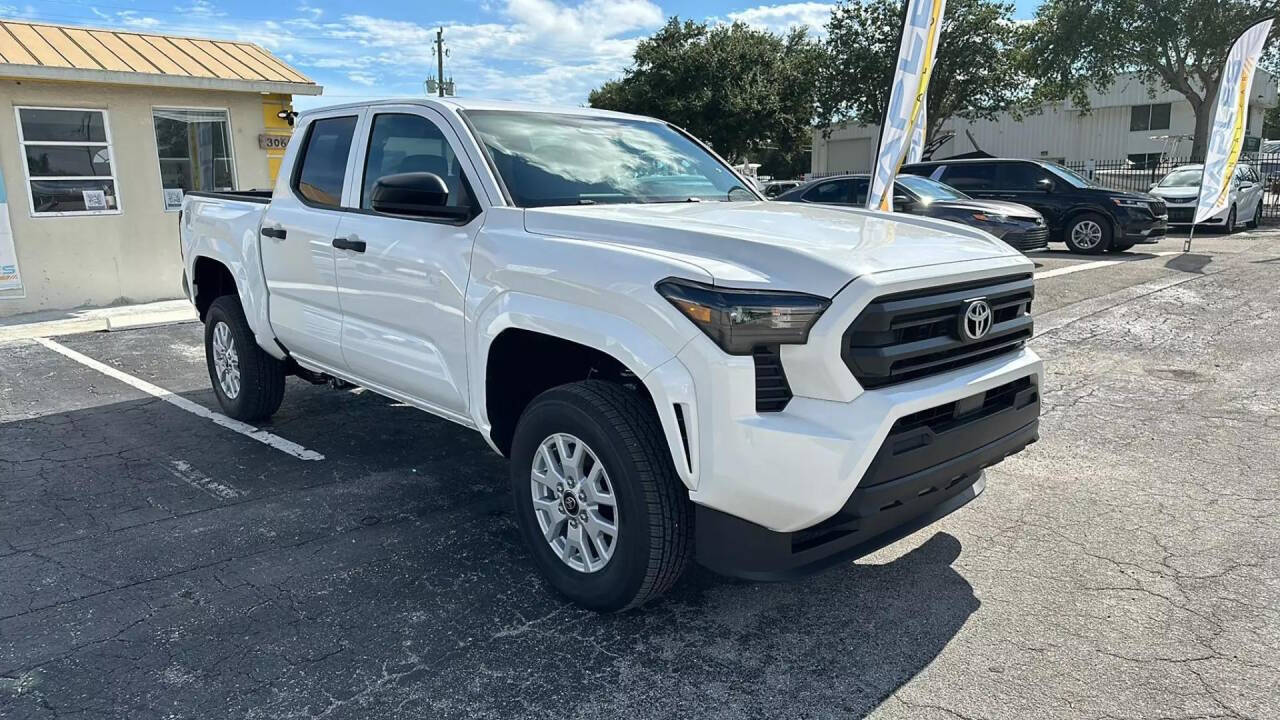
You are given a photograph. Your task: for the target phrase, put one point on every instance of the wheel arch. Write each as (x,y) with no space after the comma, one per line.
(527,333)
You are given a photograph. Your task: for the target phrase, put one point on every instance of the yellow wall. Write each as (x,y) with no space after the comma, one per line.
(94,260)
(275,125)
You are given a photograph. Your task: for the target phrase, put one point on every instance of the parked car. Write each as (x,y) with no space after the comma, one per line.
(1087,217)
(774,188)
(1180,190)
(1017,225)
(768,388)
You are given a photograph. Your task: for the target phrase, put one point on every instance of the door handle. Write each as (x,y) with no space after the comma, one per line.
(277,233)
(349,244)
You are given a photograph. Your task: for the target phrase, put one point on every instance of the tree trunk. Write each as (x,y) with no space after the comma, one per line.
(1204,110)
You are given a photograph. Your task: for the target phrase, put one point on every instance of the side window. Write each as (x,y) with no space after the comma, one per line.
(836,191)
(323,167)
(402,143)
(1019,176)
(70,168)
(858,191)
(970,176)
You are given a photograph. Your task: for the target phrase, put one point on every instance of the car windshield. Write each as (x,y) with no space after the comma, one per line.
(1070,176)
(548,159)
(930,190)
(1185,177)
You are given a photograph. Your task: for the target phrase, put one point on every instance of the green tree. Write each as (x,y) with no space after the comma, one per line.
(748,93)
(1082,45)
(977,72)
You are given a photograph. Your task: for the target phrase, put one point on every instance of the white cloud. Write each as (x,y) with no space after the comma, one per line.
(780,18)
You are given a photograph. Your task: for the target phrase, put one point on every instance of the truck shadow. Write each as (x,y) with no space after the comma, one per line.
(391,572)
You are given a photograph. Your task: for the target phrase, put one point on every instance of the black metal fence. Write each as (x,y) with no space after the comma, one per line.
(1140,176)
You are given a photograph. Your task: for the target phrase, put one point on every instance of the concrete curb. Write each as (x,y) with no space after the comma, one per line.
(104,320)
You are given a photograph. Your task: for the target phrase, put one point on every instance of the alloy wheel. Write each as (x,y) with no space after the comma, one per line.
(226,361)
(1087,234)
(575,503)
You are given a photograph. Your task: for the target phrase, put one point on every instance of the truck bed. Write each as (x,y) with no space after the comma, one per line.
(254,196)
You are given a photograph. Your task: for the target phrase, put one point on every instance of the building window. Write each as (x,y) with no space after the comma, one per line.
(1149,117)
(67,155)
(1145,161)
(195,152)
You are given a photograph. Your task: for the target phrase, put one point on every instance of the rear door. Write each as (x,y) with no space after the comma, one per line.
(976,179)
(831,192)
(296,239)
(401,279)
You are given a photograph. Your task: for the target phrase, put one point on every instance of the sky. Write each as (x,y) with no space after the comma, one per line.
(551,51)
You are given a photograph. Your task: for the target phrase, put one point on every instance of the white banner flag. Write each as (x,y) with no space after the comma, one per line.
(1226,137)
(9,278)
(920,30)
(915,152)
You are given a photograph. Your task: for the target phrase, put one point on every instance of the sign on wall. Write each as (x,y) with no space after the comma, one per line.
(269,141)
(10,280)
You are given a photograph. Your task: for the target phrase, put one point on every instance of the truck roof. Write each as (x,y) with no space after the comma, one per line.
(456,104)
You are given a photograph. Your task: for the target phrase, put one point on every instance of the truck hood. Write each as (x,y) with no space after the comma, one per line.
(786,246)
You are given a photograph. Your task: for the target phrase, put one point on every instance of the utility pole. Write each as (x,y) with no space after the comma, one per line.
(440,60)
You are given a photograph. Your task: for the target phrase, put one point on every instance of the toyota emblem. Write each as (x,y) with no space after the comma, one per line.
(976,320)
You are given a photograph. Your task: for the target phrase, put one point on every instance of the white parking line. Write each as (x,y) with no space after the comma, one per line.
(1096,264)
(285,446)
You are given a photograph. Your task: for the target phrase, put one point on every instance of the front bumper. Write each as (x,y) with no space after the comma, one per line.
(929,466)
(1141,227)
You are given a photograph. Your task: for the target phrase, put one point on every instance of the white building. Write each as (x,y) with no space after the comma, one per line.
(1125,123)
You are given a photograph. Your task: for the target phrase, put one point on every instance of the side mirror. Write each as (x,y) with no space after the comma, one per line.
(1044,184)
(1154,186)
(1245,184)
(415,194)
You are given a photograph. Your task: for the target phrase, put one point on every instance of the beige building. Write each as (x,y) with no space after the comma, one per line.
(101,132)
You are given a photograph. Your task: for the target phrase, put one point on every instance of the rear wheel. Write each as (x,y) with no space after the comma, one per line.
(596,497)
(1088,233)
(1257,217)
(249,383)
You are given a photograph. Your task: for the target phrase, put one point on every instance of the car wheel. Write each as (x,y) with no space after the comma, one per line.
(249,383)
(1257,217)
(1088,233)
(597,499)
(1230,227)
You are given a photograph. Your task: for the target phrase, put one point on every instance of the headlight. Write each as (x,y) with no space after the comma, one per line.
(990,217)
(740,320)
(1125,202)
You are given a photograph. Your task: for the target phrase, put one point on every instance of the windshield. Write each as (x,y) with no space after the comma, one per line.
(1069,175)
(1186,177)
(930,190)
(549,159)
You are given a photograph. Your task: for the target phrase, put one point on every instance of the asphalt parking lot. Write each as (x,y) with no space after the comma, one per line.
(156,564)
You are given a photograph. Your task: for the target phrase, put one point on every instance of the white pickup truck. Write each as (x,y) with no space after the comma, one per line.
(677,368)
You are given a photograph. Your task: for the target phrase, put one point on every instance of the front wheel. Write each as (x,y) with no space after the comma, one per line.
(597,498)
(249,383)
(1089,233)
(1230,227)
(1257,217)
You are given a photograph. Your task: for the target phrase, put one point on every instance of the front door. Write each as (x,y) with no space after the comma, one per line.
(296,238)
(401,280)
(1028,184)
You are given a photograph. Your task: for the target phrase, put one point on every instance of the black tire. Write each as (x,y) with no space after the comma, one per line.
(1256,219)
(261,376)
(1104,227)
(1230,227)
(654,544)
(1119,247)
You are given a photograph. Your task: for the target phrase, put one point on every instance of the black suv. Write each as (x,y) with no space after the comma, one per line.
(1087,217)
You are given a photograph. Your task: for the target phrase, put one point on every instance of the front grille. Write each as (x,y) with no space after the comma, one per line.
(1180,214)
(944,417)
(1158,208)
(911,335)
(1025,240)
(772,390)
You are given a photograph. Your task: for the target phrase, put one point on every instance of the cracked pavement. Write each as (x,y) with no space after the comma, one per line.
(154,565)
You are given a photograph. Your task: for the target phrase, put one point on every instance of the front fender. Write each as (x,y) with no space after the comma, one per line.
(665,377)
